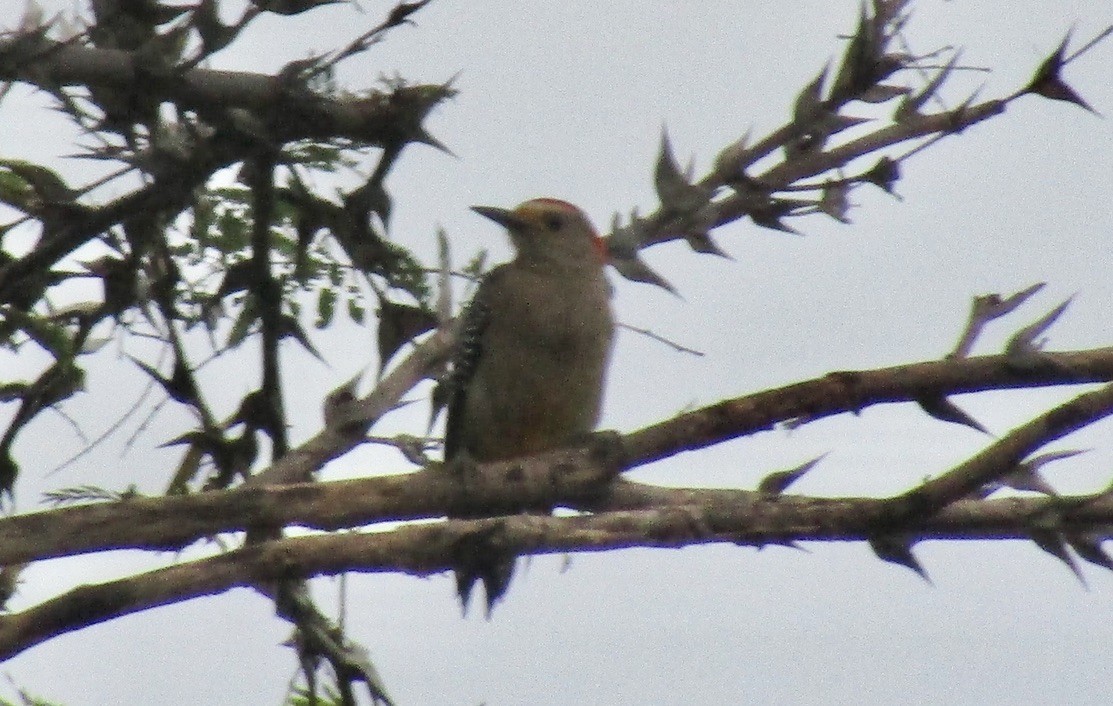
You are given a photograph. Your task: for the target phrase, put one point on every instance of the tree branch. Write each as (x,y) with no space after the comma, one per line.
(1003,456)
(853,391)
(392,117)
(301,463)
(428,549)
(571,477)
(379,118)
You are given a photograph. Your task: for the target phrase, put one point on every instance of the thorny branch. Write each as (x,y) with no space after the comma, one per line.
(427,549)
(571,478)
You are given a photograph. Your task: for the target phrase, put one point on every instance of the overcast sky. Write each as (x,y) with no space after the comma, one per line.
(568,100)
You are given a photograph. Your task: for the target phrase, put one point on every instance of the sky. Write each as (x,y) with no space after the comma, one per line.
(568,100)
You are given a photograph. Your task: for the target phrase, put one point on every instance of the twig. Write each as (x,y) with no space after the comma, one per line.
(661,339)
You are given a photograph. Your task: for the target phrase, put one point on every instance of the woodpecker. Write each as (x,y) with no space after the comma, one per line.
(530,365)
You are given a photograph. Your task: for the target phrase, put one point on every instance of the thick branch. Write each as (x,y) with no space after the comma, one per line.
(428,549)
(172,522)
(378,119)
(392,118)
(564,478)
(855,390)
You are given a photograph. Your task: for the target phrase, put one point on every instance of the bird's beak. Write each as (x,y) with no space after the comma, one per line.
(504,217)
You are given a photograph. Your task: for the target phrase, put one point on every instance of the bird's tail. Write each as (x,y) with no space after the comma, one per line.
(477,560)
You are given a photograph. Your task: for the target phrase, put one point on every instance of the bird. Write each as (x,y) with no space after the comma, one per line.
(529,368)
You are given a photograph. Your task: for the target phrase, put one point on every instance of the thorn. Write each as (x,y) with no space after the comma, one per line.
(1051,541)
(1088,546)
(777,483)
(898,550)
(425,138)
(1048,83)
(941,408)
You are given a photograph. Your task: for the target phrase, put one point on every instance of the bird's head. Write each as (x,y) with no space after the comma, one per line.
(549,231)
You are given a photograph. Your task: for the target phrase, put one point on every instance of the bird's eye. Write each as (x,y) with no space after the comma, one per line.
(553,222)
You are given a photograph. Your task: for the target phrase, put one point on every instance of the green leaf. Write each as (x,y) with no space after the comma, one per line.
(335,276)
(231,231)
(243,325)
(16,192)
(356,312)
(41,183)
(9,470)
(52,337)
(326,307)
(405,272)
